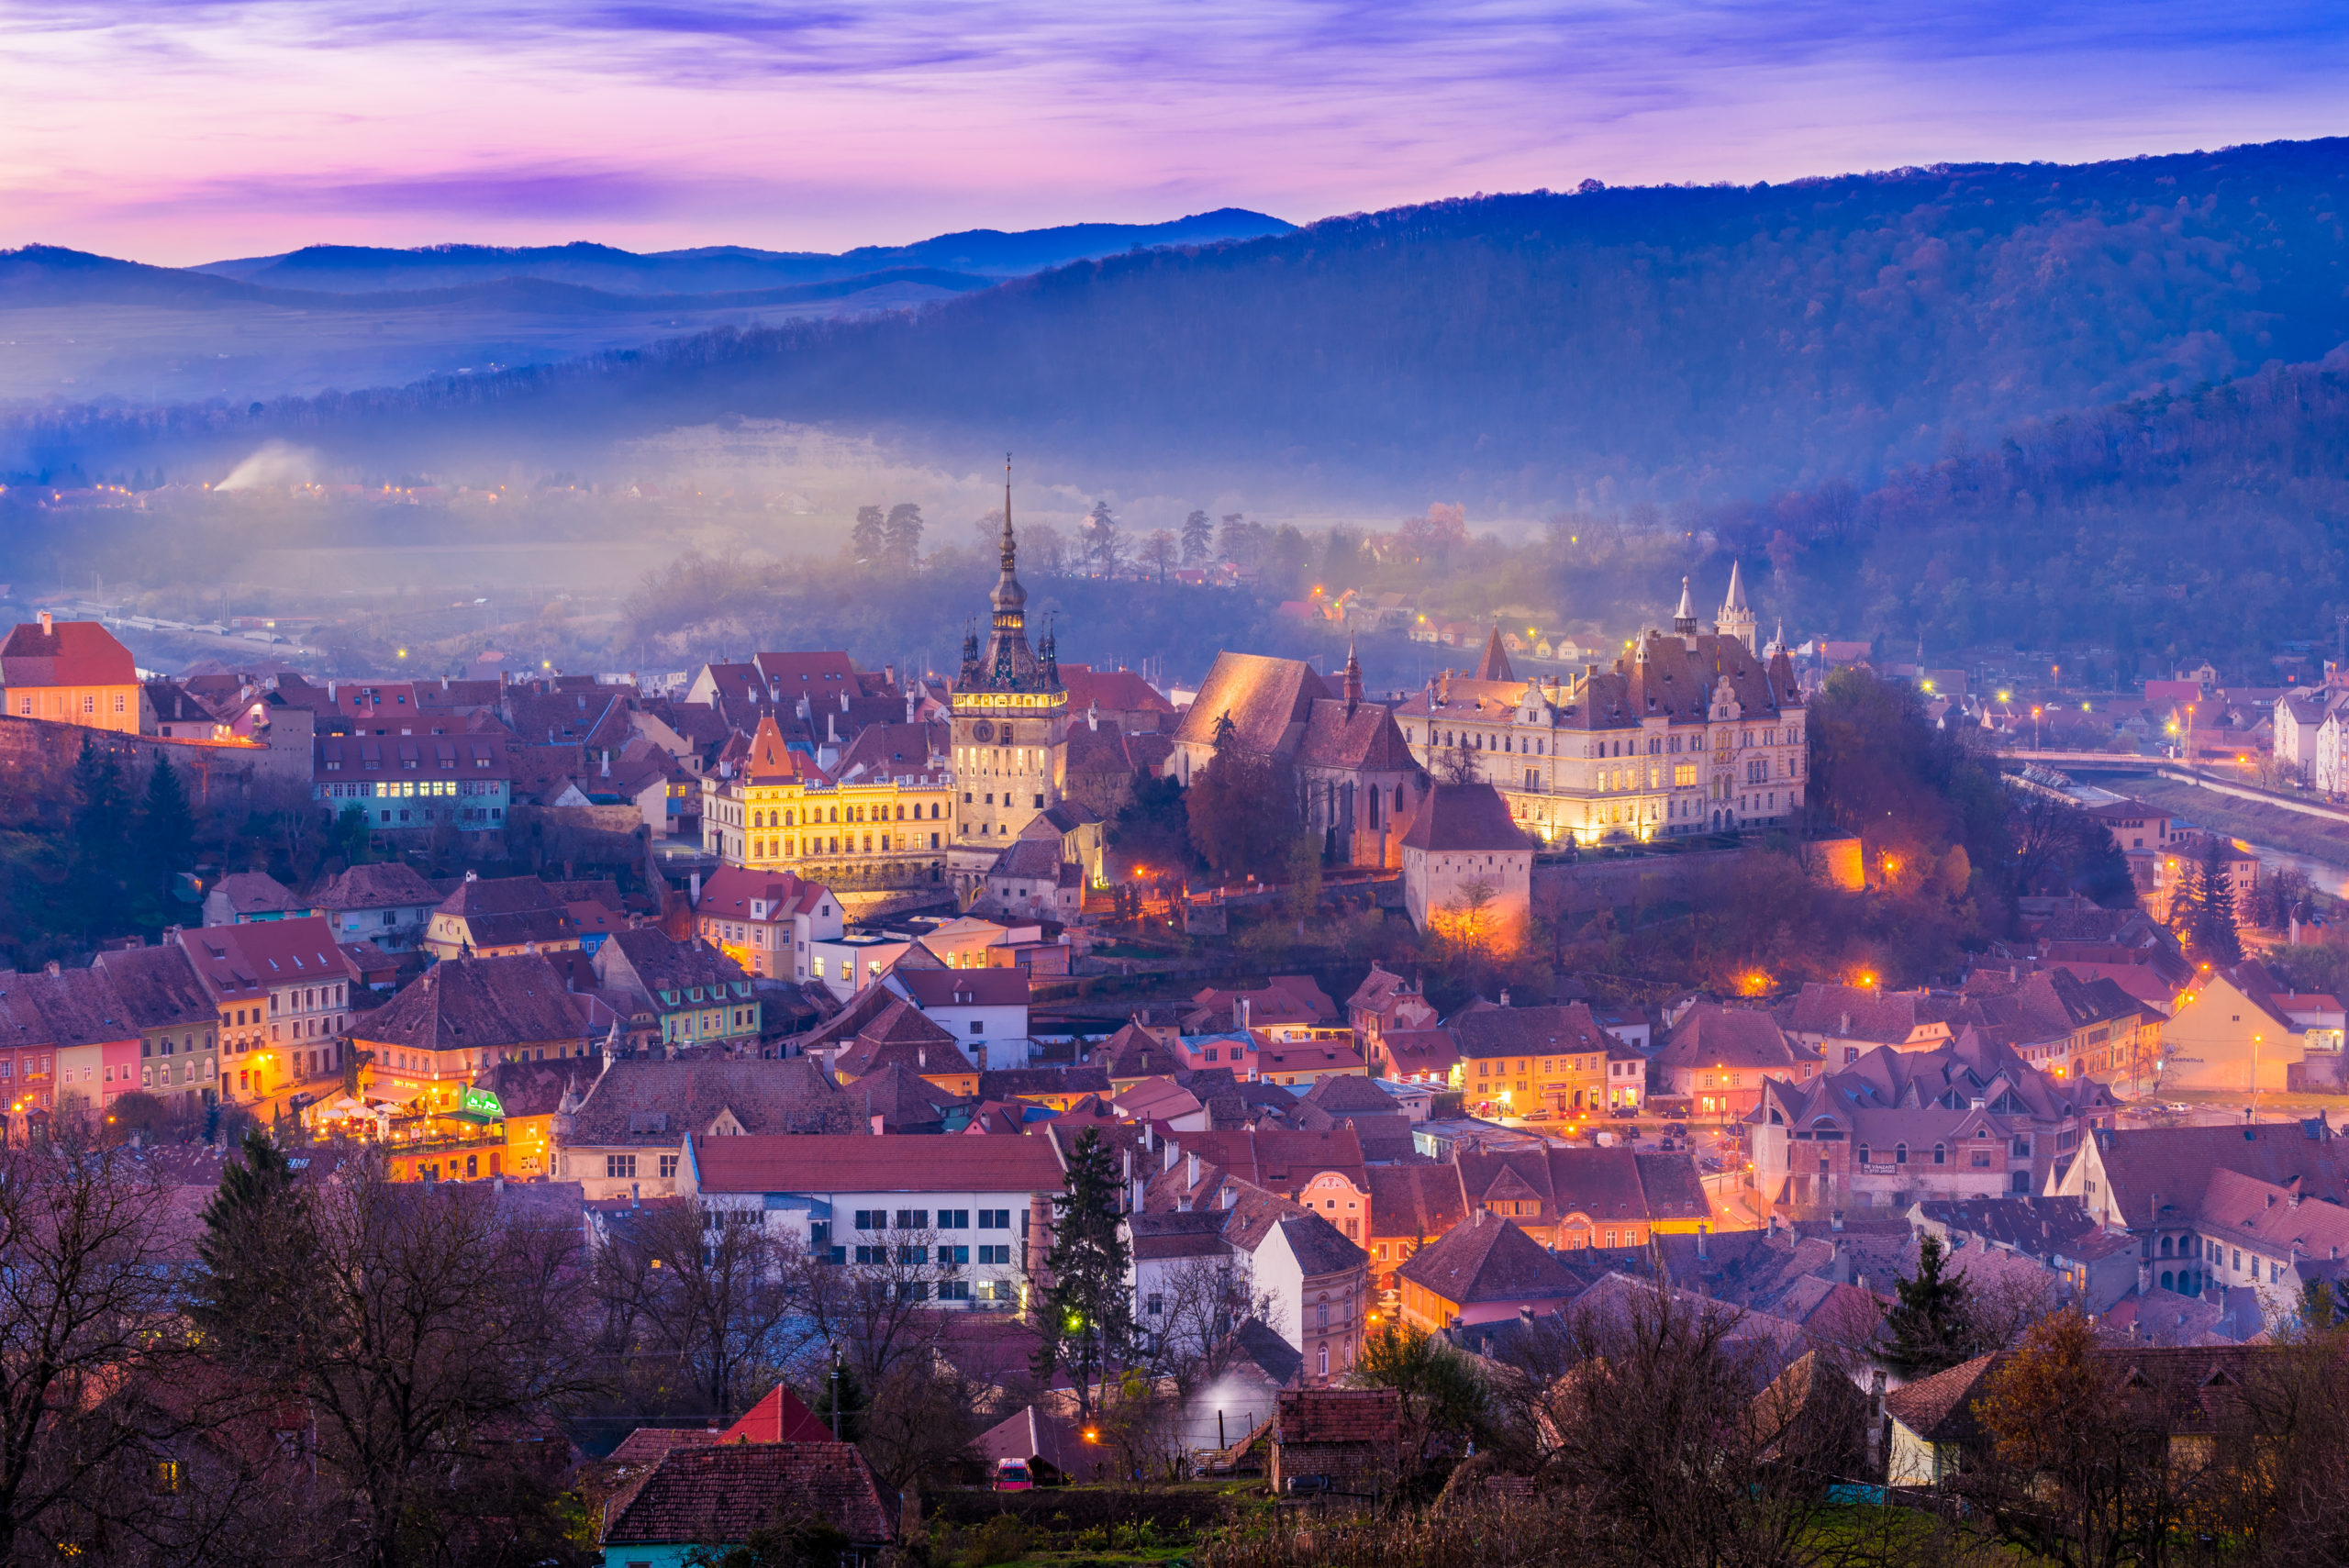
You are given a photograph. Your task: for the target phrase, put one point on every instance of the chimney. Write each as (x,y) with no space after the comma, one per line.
(909,704)
(1093,717)
(843,701)
(48,626)
(1774,1222)
(1191,1178)
(693,894)
(1231,1195)
(889,673)
(832,726)
(1700,1242)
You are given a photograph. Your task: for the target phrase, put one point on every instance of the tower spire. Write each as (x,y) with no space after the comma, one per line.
(1010,545)
(1684,619)
(1738,619)
(1353,677)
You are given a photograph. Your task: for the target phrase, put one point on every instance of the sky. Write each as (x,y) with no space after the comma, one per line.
(182,131)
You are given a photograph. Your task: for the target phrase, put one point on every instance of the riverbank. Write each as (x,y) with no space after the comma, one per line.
(2253,821)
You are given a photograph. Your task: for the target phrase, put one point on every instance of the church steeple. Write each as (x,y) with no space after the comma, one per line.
(1353,677)
(1738,619)
(1684,619)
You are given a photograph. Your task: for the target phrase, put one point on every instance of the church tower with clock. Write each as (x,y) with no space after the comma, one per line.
(1011,729)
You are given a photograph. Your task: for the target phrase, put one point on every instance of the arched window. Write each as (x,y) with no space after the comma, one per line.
(1901,1154)
(2165,1243)
(1863,1153)
(1940,1154)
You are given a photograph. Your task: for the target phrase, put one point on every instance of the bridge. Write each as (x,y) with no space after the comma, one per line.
(2179,772)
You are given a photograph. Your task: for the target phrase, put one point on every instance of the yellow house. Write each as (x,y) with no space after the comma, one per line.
(73,672)
(773,810)
(2225,1036)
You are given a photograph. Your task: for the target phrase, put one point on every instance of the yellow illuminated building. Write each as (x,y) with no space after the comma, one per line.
(780,812)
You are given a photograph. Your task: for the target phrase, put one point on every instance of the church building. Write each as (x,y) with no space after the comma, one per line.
(1357,782)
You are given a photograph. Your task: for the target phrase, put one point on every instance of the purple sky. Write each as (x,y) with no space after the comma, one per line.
(191,131)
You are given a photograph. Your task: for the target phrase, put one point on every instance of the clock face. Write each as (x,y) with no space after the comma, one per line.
(982,730)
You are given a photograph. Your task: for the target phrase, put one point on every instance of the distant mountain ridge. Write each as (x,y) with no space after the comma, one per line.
(980,252)
(49,275)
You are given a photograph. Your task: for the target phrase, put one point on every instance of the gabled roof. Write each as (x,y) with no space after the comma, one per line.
(1464,819)
(1486,1258)
(1276,1159)
(478,1003)
(72,653)
(158,986)
(1364,736)
(1267,701)
(779,1417)
(1112,691)
(901,1033)
(1530,1031)
(963,987)
(389,885)
(255,893)
(1416,1201)
(236,963)
(722,1492)
(653,1101)
(826,1163)
(734,892)
(1712,1035)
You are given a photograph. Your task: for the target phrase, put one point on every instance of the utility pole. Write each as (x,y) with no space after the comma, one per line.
(836,1391)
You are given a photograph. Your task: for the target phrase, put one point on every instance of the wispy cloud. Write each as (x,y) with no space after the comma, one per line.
(811,123)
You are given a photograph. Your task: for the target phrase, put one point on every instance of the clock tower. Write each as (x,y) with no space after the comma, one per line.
(1010,727)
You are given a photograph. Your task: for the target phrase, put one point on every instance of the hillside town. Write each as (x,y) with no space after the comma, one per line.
(919,1131)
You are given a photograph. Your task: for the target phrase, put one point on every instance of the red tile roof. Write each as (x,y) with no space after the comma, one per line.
(779,1417)
(72,653)
(1489,1259)
(720,1493)
(823,1163)
(1465,817)
(239,962)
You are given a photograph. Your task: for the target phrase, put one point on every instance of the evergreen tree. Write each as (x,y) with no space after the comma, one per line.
(2213,936)
(101,837)
(1198,540)
(255,1247)
(1931,1330)
(165,838)
(1085,1318)
(866,540)
(1102,540)
(902,533)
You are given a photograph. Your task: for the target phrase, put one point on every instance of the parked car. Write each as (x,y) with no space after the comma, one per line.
(1011,1475)
(1625,1111)
(1677,1128)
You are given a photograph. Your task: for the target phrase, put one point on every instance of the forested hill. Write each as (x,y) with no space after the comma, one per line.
(1517,353)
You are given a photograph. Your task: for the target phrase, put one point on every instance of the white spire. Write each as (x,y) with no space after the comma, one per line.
(1736,600)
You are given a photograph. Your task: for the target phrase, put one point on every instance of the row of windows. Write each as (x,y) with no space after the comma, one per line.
(389,789)
(918,1219)
(768,849)
(57,705)
(622,1167)
(789,819)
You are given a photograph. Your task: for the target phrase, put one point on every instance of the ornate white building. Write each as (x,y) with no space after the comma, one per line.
(1689,731)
